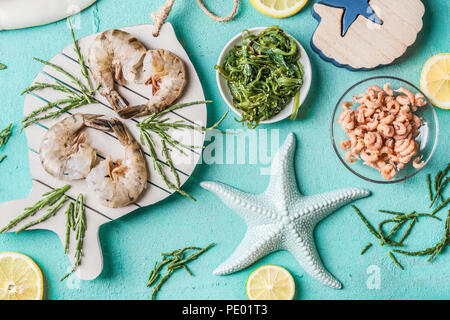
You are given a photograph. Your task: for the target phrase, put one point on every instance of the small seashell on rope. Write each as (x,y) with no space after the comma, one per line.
(163,12)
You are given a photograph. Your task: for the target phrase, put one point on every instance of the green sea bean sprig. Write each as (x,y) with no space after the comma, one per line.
(49,199)
(437,248)
(77,220)
(173,261)
(263,75)
(156,124)
(73,100)
(5,134)
(400,219)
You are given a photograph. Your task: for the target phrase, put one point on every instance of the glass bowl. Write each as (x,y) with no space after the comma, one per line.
(427,138)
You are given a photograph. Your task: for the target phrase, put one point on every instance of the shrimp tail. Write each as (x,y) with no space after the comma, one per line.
(116,101)
(137,111)
(93,121)
(121,132)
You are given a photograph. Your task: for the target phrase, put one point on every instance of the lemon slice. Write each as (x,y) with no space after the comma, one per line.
(435,80)
(279,8)
(270,283)
(20,278)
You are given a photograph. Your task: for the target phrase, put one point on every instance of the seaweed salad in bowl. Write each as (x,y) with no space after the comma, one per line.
(264,75)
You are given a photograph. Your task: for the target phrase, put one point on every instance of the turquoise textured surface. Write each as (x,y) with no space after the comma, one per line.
(132,244)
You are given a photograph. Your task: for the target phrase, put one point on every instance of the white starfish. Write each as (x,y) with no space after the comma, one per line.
(281,218)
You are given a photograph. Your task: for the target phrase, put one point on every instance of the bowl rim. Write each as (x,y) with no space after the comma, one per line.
(308,67)
(343,160)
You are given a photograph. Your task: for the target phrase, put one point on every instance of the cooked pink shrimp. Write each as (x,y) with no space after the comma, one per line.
(359,99)
(417,121)
(386,130)
(411,149)
(409,94)
(369,155)
(372,125)
(403,100)
(380,98)
(347,105)
(374,88)
(357,144)
(417,164)
(388,172)
(345,145)
(388,90)
(393,107)
(373,141)
(400,128)
(372,94)
(420,100)
(388,119)
(368,112)
(351,156)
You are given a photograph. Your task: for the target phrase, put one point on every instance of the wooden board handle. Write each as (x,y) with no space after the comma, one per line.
(92,260)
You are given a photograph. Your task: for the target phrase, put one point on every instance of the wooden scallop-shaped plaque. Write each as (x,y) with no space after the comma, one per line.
(107,144)
(365,34)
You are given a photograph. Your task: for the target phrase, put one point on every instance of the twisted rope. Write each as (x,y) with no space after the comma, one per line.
(161,15)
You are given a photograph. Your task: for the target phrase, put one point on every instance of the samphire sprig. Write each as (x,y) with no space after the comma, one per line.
(440,183)
(400,219)
(5,134)
(154,124)
(173,261)
(437,248)
(73,100)
(76,220)
(49,199)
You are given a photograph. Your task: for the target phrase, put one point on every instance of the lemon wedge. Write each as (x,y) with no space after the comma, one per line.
(20,278)
(279,8)
(270,283)
(435,80)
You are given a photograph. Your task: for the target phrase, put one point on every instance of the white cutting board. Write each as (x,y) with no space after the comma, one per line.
(107,144)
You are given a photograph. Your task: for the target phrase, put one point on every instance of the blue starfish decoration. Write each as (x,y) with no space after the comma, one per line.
(352,9)
(281,218)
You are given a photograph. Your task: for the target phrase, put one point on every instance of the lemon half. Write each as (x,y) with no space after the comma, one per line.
(270,283)
(435,80)
(279,8)
(20,278)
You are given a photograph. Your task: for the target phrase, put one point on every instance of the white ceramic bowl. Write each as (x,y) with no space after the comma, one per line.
(288,109)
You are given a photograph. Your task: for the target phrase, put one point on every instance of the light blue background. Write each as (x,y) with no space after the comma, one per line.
(131,245)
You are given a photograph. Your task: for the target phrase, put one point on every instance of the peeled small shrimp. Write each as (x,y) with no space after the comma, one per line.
(403,100)
(420,100)
(374,88)
(347,105)
(351,156)
(64,152)
(115,55)
(119,183)
(388,90)
(417,163)
(400,128)
(372,125)
(166,73)
(386,130)
(388,172)
(369,155)
(345,145)
(360,98)
(409,94)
